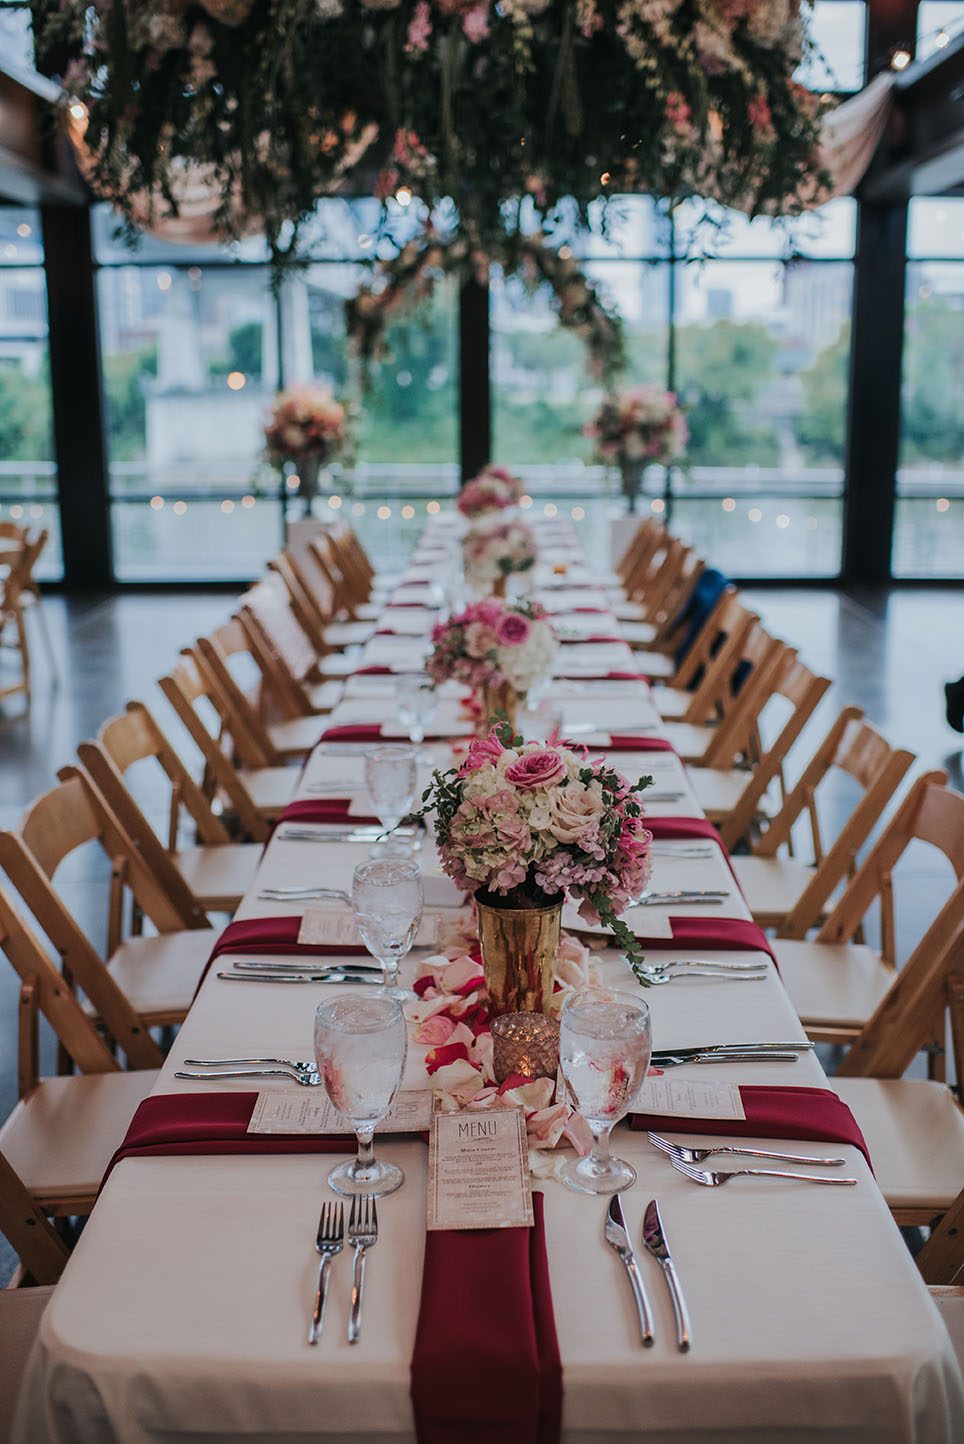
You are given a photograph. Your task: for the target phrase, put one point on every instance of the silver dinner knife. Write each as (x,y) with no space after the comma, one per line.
(702,1049)
(617,1236)
(655,1241)
(331,976)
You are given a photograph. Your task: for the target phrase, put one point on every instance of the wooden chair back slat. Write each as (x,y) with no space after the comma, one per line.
(212,657)
(737,734)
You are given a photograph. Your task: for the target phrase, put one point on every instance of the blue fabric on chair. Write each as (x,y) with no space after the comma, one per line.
(700,603)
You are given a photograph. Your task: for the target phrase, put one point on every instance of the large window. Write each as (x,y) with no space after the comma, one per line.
(28,493)
(929,529)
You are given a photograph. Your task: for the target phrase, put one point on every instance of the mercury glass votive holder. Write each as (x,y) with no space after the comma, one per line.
(525,1043)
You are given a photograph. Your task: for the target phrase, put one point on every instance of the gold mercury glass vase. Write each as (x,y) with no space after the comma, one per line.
(498,586)
(503,698)
(519,947)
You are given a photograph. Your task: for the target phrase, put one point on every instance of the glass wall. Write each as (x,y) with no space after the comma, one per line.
(929,528)
(28,493)
(194,348)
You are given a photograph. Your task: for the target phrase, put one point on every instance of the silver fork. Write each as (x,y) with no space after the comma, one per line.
(294,1075)
(281,893)
(697,1155)
(300,1065)
(712,1179)
(657,976)
(329,1241)
(362,1233)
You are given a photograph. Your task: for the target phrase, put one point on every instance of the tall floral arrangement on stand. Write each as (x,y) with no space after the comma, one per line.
(524,825)
(641,426)
(493,550)
(495,489)
(308,426)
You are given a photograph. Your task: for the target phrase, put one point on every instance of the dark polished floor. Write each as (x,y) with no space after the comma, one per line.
(888,653)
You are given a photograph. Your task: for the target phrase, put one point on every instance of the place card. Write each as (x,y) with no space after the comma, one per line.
(335,927)
(478,1170)
(682,1098)
(651,922)
(298,1110)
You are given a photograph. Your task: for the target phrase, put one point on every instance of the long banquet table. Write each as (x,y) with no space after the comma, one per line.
(182,1313)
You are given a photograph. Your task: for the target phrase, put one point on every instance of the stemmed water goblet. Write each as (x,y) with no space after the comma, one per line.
(605,1041)
(417,705)
(386,899)
(360,1046)
(391,776)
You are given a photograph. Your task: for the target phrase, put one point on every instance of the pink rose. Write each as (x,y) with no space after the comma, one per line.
(480,639)
(542,768)
(574,811)
(513,629)
(482,752)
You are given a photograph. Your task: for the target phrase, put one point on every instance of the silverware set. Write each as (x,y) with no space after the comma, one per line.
(654,1240)
(685,1160)
(329,1242)
(305,894)
(670,972)
(730,1053)
(682,896)
(295,972)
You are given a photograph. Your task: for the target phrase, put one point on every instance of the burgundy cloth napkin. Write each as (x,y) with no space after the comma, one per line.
(486,1366)
(671,829)
(632,744)
(353,732)
(816,1114)
(372,672)
(191,1123)
(602,677)
(727,934)
(324,809)
(276,935)
(595,641)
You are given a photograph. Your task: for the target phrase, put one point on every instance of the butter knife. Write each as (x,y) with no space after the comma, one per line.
(617,1236)
(655,1240)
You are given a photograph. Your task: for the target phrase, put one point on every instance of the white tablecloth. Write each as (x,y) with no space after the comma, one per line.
(181,1317)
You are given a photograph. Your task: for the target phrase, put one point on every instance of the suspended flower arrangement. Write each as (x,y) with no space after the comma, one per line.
(273,104)
(408,279)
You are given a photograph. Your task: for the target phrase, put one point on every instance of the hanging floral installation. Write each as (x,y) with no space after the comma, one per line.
(408,279)
(499,107)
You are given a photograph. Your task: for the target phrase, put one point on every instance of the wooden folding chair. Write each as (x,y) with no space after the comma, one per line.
(214,874)
(297,678)
(914,1127)
(145,982)
(258,741)
(17,590)
(737,689)
(835,981)
(317,566)
(256,796)
(704,677)
(323,630)
(737,799)
(791,895)
(63,1132)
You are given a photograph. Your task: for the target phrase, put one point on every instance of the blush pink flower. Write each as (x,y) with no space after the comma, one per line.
(574,812)
(482,752)
(480,639)
(513,629)
(542,768)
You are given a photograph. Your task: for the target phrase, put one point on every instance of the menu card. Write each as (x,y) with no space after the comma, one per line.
(682,1098)
(478,1170)
(335,927)
(296,1110)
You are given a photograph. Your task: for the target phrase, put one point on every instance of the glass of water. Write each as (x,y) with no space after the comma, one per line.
(360,1046)
(605,1041)
(386,898)
(417,704)
(391,776)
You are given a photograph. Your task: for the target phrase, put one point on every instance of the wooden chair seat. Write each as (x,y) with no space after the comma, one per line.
(61,1138)
(270,788)
(832,985)
(719,792)
(772,886)
(635,612)
(348,634)
(20,1313)
(637,634)
(336,664)
(159,975)
(672,703)
(220,876)
(297,735)
(915,1133)
(689,740)
(949,1299)
(655,664)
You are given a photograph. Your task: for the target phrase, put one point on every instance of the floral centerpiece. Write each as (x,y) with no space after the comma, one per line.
(494,489)
(638,427)
(524,825)
(499,649)
(307,425)
(491,551)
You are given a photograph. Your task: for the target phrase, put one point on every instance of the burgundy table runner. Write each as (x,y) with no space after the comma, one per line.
(486,1366)
(814,1114)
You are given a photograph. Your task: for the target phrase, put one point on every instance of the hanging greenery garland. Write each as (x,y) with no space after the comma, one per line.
(401,284)
(274,104)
